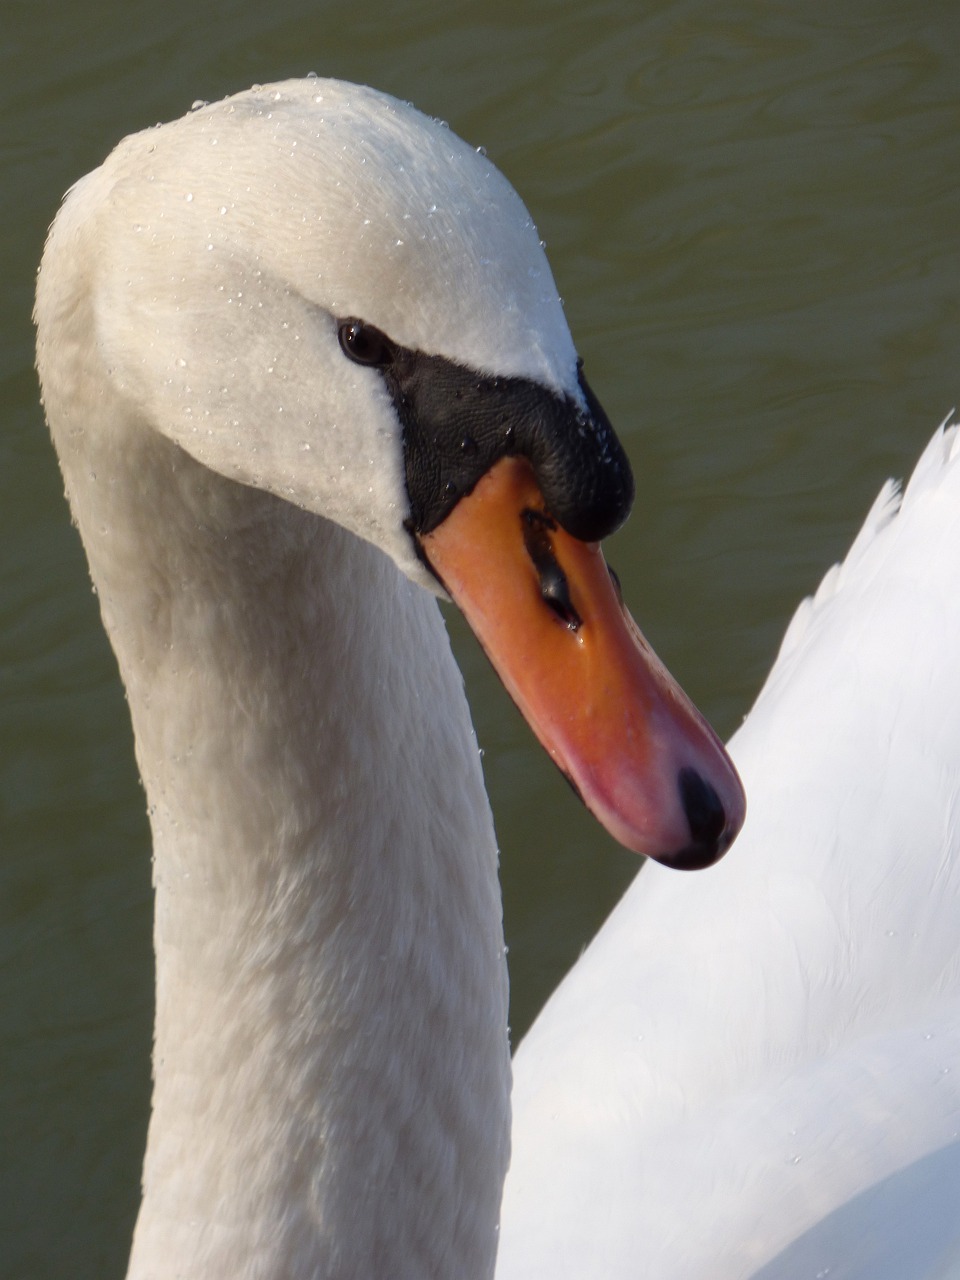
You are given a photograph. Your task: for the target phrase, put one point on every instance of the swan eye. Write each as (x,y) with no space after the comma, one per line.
(363,343)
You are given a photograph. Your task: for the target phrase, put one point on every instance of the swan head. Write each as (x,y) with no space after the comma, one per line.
(317,291)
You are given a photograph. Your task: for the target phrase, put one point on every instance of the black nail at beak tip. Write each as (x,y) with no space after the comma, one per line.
(710,835)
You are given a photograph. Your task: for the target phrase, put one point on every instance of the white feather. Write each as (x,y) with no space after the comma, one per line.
(755,1072)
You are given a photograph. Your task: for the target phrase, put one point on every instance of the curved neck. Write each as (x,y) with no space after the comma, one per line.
(331,1064)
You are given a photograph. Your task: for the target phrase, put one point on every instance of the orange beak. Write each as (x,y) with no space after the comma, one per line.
(546,611)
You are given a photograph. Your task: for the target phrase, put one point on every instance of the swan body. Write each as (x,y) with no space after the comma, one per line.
(755,1072)
(302,356)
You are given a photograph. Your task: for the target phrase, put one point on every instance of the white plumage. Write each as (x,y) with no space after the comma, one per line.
(751,1071)
(755,1071)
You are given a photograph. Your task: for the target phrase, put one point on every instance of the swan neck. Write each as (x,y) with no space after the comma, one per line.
(331,1071)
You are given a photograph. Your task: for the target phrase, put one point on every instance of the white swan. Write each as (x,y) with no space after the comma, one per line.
(752,1072)
(755,1072)
(276,340)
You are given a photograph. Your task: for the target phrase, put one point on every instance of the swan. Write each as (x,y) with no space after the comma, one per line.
(755,1072)
(305,368)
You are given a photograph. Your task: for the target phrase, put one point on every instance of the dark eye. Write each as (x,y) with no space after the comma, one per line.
(363,343)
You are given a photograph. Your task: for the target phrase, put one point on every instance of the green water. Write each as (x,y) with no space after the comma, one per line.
(754,219)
